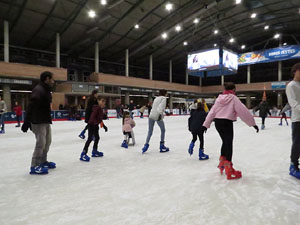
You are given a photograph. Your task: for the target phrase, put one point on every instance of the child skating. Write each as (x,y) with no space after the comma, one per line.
(196,120)
(93,130)
(128,124)
(283,114)
(224,112)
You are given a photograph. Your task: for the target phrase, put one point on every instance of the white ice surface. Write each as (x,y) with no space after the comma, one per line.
(126,187)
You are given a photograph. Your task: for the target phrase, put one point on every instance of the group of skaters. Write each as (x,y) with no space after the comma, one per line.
(3,110)
(223,113)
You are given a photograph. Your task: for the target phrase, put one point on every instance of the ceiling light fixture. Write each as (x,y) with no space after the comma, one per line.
(103,2)
(238,1)
(253,15)
(284,43)
(92,13)
(243,46)
(137,26)
(266,27)
(276,36)
(169,6)
(216,31)
(215,45)
(185,43)
(164,35)
(196,20)
(178,28)
(231,40)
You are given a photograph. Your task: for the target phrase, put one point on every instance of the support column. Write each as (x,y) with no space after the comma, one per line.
(279,100)
(248,74)
(200,81)
(171,103)
(97,57)
(6,41)
(151,68)
(127,63)
(170,71)
(76,100)
(110,103)
(150,97)
(280,71)
(186,77)
(248,101)
(127,98)
(57,50)
(7,97)
(222,80)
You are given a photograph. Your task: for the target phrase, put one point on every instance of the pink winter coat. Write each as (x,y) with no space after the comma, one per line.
(128,124)
(228,106)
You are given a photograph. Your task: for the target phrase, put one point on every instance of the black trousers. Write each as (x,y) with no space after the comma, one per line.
(225,130)
(93,131)
(201,139)
(18,119)
(295,154)
(283,116)
(263,120)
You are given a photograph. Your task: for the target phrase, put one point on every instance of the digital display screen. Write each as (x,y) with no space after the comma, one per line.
(230,60)
(204,60)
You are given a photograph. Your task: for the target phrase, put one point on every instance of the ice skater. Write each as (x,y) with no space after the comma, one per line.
(93,130)
(18,112)
(3,110)
(264,110)
(283,114)
(88,111)
(196,121)
(293,95)
(157,115)
(38,119)
(128,124)
(224,112)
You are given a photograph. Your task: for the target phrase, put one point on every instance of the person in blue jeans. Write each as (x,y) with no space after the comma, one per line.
(157,115)
(3,110)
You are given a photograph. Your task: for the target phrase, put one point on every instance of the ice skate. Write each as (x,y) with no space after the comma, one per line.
(163,148)
(124,144)
(230,172)
(84,157)
(294,171)
(38,170)
(221,164)
(191,148)
(145,148)
(81,135)
(96,153)
(49,165)
(262,126)
(202,156)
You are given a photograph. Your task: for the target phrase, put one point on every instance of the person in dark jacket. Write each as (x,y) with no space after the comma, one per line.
(93,130)
(196,121)
(131,107)
(149,107)
(88,111)
(264,110)
(38,119)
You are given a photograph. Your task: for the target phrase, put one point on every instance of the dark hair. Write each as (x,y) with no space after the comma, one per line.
(200,106)
(229,86)
(295,68)
(162,92)
(44,76)
(125,113)
(94,92)
(196,100)
(99,98)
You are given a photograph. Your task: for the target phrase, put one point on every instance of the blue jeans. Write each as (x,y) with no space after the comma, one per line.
(161,125)
(2,119)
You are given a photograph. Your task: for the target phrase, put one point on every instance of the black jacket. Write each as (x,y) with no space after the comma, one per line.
(264,109)
(196,121)
(39,108)
(89,109)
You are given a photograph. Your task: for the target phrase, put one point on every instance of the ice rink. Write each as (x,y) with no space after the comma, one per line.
(126,187)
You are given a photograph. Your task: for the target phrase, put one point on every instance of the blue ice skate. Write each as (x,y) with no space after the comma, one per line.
(145,148)
(96,153)
(2,131)
(84,157)
(38,170)
(202,156)
(48,165)
(280,124)
(262,126)
(124,144)
(191,148)
(294,171)
(81,135)
(163,148)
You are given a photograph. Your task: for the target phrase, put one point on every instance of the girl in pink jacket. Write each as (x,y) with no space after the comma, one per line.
(128,124)
(224,112)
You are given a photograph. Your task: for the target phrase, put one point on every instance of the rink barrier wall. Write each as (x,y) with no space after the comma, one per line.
(62,115)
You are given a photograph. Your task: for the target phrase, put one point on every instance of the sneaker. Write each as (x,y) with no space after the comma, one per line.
(145,148)
(124,144)
(96,153)
(38,170)
(84,157)
(163,148)
(48,165)
(294,171)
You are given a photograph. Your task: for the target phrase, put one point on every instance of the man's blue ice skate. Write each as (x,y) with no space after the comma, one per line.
(49,165)
(96,153)
(202,156)
(84,157)
(294,171)
(124,144)
(145,148)
(262,126)
(191,148)
(39,170)
(163,148)
(81,135)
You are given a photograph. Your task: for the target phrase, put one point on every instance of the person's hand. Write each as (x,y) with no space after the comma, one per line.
(26,126)
(204,129)
(105,128)
(159,117)
(256,128)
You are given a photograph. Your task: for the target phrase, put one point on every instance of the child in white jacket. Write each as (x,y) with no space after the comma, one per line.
(157,115)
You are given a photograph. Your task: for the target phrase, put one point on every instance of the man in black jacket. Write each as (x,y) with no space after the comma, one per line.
(38,119)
